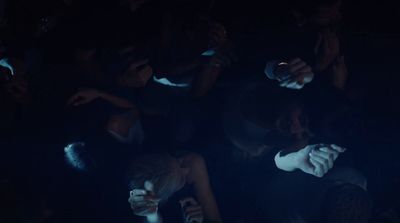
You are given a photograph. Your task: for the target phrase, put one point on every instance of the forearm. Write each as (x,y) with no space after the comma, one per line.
(179,69)
(116,101)
(286,163)
(206,198)
(205,81)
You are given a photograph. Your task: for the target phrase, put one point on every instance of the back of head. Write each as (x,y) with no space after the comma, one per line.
(346,203)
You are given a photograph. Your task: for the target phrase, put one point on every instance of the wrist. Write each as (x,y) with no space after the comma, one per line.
(286,162)
(154,218)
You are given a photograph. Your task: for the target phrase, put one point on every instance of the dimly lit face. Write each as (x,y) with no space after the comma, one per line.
(293,123)
(327,14)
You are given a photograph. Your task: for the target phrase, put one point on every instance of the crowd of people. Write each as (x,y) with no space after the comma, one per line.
(182,111)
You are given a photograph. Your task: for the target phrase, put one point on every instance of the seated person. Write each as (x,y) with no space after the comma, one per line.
(158,183)
(258,123)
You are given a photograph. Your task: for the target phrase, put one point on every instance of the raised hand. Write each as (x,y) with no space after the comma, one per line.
(293,74)
(83,96)
(316,159)
(143,201)
(192,211)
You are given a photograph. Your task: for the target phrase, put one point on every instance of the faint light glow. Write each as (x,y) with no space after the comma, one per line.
(76,156)
(5,63)
(282,63)
(208,53)
(166,82)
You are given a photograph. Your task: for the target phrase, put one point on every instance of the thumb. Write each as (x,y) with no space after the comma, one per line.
(149,186)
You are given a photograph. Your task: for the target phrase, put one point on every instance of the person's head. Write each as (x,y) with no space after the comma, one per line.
(262,119)
(283,114)
(318,13)
(346,203)
(293,121)
(163,171)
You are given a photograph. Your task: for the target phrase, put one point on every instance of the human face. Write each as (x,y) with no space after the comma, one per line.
(293,123)
(327,14)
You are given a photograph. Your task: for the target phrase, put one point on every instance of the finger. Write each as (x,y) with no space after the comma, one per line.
(304,78)
(294,61)
(305,69)
(318,170)
(294,85)
(293,68)
(194,213)
(338,148)
(196,218)
(138,63)
(193,208)
(285,82)
(332,152)
(189,200)
(136,192)
(145,210)
(149,186)
(147,198)
(327,157)
(323,165)
(138,198)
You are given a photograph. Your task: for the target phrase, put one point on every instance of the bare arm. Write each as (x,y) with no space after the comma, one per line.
(199,177)
(87,95)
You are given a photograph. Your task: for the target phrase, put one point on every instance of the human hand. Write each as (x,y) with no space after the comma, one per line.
(143,201)
(192,211)
(316,159)
(137,75)
(83,96)
(217,35)
(293,74)
(222,59)
(326,49)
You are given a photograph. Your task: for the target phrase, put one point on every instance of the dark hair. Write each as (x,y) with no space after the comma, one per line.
(346,203)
